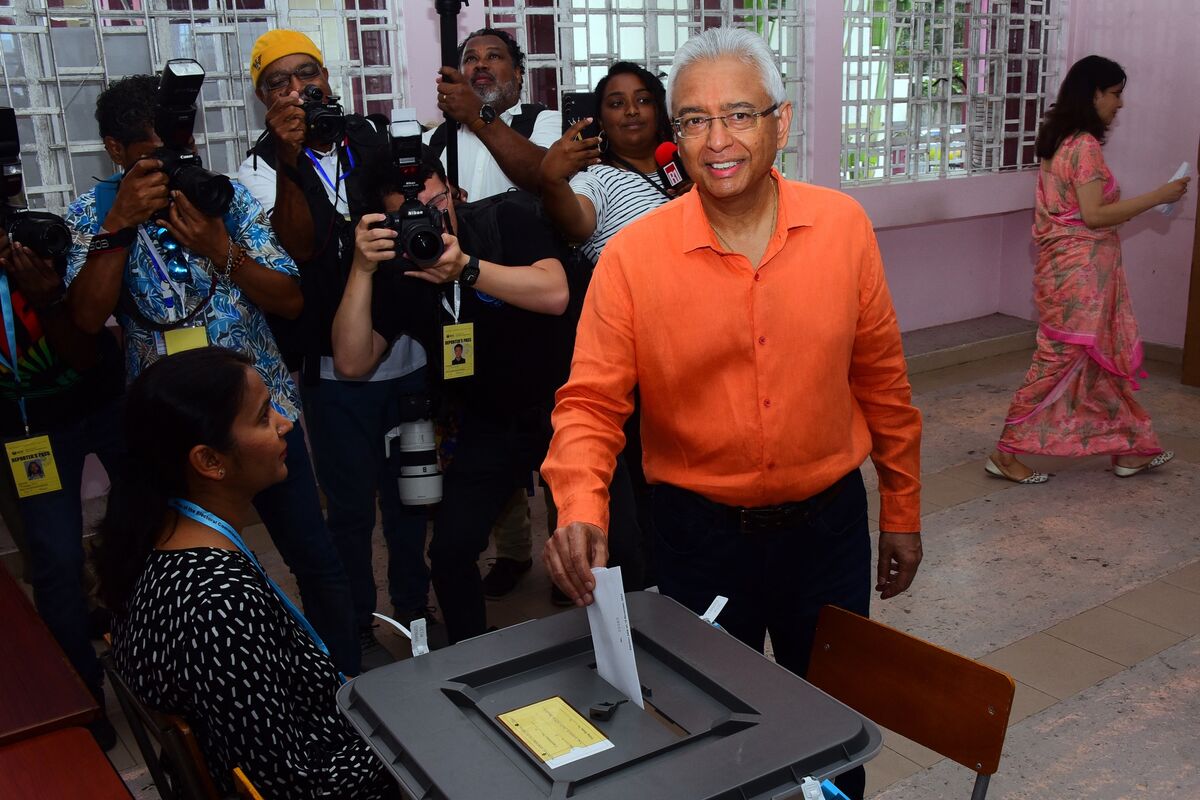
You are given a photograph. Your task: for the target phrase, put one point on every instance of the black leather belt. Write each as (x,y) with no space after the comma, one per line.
(765,519)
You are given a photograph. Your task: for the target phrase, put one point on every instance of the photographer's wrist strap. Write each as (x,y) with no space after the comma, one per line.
(458,340)
(31,459)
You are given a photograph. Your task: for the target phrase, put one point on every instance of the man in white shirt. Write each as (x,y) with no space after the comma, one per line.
(310,179)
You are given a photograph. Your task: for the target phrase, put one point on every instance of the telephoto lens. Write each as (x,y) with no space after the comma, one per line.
(43,233)
(412,454)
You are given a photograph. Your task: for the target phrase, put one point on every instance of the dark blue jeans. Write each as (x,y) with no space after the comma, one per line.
(776,581)
(346,423)
(291,510)
(54,527)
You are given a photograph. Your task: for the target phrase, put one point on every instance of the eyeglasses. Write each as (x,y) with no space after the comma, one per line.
(440,201)
(695,125)
(280,80)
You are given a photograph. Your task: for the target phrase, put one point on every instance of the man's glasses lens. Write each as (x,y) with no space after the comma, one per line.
(304,73)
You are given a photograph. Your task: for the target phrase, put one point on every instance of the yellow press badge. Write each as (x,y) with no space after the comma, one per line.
(179,339)
(458,350)
(33,468)
(554,732)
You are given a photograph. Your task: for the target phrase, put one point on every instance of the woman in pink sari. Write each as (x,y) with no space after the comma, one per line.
(1077,398)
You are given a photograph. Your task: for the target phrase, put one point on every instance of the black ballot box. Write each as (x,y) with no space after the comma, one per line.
(508,715)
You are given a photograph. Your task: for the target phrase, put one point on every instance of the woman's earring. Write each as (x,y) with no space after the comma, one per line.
(603,146)
(221,472)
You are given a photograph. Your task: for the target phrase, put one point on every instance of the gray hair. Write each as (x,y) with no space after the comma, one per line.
(737,43)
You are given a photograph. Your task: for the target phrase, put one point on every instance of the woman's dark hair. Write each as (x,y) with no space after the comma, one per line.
(1075,109)
(125,110)
(662,119)
(181,401)
(514,49)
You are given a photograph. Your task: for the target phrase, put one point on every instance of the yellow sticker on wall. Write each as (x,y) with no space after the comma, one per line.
(554,732)
(458,350)
(33,468)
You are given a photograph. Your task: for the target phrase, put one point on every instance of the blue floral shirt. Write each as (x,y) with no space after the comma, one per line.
(231,320)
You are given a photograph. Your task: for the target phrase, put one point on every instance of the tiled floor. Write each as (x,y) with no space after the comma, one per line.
(1087,590)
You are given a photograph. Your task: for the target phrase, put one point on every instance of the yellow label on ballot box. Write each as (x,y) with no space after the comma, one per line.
(458,350)
(180,339)
(554,732)
(33,467)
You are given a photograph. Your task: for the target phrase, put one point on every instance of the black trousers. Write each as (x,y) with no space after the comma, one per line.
(776,581)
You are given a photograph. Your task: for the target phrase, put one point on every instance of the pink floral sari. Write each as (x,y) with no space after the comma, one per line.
(1077,398)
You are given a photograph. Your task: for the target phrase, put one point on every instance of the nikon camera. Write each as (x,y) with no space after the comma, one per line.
(43,233)
(174,122)
(418,226)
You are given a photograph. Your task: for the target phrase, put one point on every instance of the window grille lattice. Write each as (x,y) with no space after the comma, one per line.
(569,44)
(944,87)
(59,54)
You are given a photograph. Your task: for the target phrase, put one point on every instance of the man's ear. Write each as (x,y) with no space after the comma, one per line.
(207,462)
(115,150)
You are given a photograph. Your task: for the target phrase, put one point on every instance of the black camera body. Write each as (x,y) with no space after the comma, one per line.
(326,121)
(418,226)
(174,122)
(44,233)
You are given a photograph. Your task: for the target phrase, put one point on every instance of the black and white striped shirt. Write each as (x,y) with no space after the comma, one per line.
(619,197)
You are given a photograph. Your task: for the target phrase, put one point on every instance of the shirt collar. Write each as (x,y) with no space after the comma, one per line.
(698,233)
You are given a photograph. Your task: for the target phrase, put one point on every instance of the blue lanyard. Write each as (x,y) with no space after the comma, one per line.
(208,519)
(10,330)
(316,162)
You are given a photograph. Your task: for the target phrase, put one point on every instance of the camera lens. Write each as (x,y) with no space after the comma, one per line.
(209,192)
(424,246)
(45,234)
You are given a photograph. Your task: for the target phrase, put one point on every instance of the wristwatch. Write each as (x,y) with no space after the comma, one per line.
(487,115)
(470,272)
(104,240)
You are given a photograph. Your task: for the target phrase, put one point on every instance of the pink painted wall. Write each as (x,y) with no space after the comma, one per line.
(422,46)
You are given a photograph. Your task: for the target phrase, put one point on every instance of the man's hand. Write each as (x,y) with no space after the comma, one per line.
(197,231)
(456,98)
(143,191)
(32,275)
(285,121)
(448,267)
(569,556)
(569,154)
(899,557)
(372,245)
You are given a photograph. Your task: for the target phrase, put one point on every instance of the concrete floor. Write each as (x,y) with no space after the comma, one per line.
(1086,590)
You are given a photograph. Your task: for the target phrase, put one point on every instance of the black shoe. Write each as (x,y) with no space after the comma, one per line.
(503,576)
(103,732)
(373,653)
(559,598)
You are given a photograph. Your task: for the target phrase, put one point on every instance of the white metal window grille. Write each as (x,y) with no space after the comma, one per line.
(58,55)
(944,87)
(569,44)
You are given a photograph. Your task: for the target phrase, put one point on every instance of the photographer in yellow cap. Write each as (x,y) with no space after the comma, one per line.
(313,171)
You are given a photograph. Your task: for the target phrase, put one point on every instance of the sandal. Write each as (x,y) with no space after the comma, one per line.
(996,471)
(1154,463)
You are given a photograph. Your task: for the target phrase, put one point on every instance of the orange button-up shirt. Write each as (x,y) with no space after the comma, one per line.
(758,386)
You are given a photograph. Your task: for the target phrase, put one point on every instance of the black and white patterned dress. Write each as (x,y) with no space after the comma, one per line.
(205,637)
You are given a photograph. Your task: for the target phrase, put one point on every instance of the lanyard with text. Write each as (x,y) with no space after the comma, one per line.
(10,331)
(458,340)
(210,520)
(316,162)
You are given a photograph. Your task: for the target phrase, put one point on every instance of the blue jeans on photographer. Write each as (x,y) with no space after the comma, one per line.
(54,526)
(346,422)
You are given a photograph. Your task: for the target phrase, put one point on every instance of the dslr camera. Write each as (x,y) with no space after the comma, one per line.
(326,121)
(43,233)
(418,226)
(174,122)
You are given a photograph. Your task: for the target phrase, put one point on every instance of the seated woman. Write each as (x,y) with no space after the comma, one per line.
(199,630)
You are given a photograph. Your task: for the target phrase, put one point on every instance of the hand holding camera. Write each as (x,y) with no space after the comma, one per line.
(373,243)
(448,267)
(143,192)
(286,122)
(197,231)
(570,154)
(32,275)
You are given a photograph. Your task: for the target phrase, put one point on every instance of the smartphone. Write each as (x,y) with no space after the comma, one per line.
(577,106)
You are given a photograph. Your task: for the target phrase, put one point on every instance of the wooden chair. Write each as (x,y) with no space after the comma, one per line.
(245,788)
(168,747)
(944,701)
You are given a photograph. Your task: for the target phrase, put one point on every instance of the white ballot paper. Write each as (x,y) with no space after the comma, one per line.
(611,637)
(1183,170)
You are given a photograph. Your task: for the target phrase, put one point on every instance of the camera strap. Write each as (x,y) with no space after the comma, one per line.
(631,168)
(454,312)
(169,287)
(10,331)
(334,185)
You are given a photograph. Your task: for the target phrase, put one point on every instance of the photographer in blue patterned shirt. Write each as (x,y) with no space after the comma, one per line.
(176,278)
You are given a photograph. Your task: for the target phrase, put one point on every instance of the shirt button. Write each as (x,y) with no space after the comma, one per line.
(757,277)
(766,403)
(762,340)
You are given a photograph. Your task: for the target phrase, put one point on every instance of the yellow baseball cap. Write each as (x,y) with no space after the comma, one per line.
(276,44)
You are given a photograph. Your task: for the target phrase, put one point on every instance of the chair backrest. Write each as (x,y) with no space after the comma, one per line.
(245,788)
(944,701)
(171,752)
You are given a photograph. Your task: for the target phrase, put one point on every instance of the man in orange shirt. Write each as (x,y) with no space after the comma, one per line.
(754,318)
